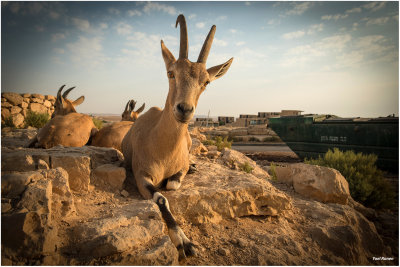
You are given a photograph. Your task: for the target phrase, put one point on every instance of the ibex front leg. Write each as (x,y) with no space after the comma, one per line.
(181,242)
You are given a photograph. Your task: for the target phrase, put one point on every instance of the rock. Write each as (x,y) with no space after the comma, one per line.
(37,100)
(5,113)
(212,148)
(241,242)
(14,98)
(195,133)
(258,130)
(17,161)
(319,183)
(15,110)
(36,107)
(24,105)
(216,192)
(213,154)
(197,147)
(108,177)
(238,132)
(14,184)
(47,104)
(37,197)
(18,119)
(78,168)
(49,97)
(5,205)
(3,100)
(6,105)
(124,193)
(26,95)
(42,165)
(39,96)
(223,251)
(237,160)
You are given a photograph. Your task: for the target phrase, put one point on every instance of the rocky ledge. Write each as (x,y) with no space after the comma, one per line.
(78,206)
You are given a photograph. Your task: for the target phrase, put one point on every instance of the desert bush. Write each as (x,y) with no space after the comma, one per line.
(98,123)
(219,142)
(272,172)
(246,167)
(35,119)
(8,122)
(366,182)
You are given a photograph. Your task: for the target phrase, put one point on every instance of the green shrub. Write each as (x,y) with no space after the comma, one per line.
(8,122)
(35,119)
(246,167)
(219,142)
(98,123)
(366,182)
(273,172)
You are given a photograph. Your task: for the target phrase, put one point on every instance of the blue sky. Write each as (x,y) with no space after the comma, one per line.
(320,57)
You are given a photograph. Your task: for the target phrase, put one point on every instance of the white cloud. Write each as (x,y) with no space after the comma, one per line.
(334,17)
(113,11)
(219,42)
(374,6)
(354,10)
(233,31)
(247,3)
(123,28)
(315,28)
(293,35)
(192,16)
(57,36)
(87,51)
(54,15)
(299,9)
(377,21)
(240,43)
(223,17)
(134,12)
(81,24)
(59,50)
(200,25)
(39,28)
(153,6)
(103,26)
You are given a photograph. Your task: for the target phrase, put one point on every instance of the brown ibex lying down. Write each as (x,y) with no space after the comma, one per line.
(157,146)
(67,127)
(112,135)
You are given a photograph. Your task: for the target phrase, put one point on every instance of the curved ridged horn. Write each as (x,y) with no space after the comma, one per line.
(65,94)
(183,49)
(132,105)
(59,92)
(205,50)
(127,105)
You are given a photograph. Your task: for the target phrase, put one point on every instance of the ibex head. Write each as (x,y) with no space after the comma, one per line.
(129,114)
(187,80)
(63,106)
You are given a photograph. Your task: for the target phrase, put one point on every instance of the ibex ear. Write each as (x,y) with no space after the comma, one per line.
(78,101)
(218,71)
(140,109)
(169,59)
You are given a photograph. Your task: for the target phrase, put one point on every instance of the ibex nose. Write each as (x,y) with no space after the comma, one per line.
(184,109)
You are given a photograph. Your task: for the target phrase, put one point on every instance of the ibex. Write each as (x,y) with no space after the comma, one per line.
(157,146)
(112,135)
(67,127)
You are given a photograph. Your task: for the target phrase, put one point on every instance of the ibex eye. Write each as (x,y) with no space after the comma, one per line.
(170,75)
(206,83)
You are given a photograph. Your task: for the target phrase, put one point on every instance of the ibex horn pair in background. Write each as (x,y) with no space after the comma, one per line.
(157,146)
(63,106)
(112,135)
(67,128)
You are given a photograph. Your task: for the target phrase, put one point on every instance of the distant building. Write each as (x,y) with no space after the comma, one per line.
(268,114)
(225,120)
(205,122)
(291,113)
(247,116)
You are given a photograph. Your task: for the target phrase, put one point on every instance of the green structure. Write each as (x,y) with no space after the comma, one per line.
(312,135)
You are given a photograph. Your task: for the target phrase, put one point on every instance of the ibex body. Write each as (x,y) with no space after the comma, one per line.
(157,146)
(67,127)
(112,135)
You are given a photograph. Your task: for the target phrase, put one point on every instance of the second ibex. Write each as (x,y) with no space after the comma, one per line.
(157,146)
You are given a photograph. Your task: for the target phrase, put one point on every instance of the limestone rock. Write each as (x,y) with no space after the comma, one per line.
(213,154)
(212,148)
(5,113)
(15,110)
(216,192)
(37,197)
(36,107)
(26,95)
(78,168)
(195,133)
(14,98)
(37,100)
(17,161)
(6,105)
(317,182)
(14,184)
(18,119)
(108,177)
(39,96)
(49,97)
(24,105)
(197,147)
(47,103)
(237,160)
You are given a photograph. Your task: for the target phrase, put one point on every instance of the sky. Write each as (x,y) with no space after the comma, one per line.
(336,58)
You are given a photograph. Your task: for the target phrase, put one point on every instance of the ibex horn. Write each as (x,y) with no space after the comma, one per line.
(65,94)
(127,105)
(205,50)
(59,92)
(183,49)
(132,105)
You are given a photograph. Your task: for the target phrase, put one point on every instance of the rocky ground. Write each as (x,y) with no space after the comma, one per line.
(77,206)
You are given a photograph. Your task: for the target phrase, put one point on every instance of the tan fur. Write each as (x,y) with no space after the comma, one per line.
(112,135)
(67,127)
(157,146)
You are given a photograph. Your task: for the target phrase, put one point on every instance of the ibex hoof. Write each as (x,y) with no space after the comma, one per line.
(192,168)
(186,250)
